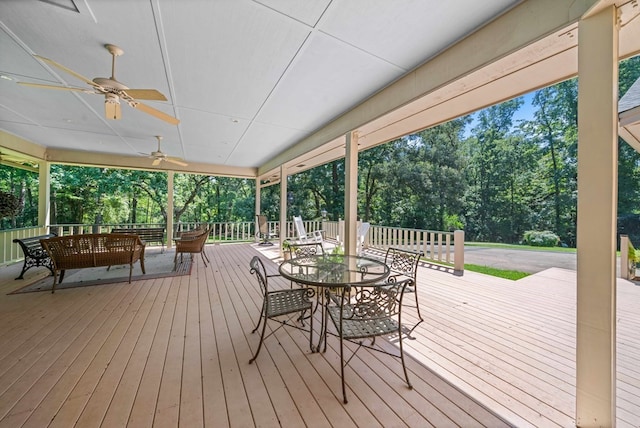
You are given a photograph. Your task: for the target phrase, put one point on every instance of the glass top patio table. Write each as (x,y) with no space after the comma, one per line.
(330,271)
(334,270)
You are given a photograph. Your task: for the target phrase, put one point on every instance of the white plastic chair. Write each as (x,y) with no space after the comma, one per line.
(363,229)
(303,237)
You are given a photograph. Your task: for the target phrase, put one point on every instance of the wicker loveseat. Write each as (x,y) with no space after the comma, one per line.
(93,250)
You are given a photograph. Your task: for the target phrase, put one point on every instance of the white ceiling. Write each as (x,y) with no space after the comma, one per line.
(247,79)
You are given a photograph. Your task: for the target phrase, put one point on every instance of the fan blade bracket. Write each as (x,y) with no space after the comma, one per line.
(156,162)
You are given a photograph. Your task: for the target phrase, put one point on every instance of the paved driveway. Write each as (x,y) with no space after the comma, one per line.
(529,261)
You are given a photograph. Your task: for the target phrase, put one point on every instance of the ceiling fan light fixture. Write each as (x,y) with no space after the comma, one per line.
(112,108)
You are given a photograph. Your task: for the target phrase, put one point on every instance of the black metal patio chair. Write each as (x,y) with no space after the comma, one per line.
(403,264)
(277,303)
(366,312)
(298,250)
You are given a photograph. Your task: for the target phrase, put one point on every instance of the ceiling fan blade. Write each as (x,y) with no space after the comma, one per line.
(112,110)
(64,88)
(176,161)
(153,112)
(156,162)
(68,70)
(146,94)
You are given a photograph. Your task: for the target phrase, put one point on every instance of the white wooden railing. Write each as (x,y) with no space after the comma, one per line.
(438,247)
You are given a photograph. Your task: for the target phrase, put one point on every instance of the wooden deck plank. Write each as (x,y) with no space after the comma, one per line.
(237,294)
(72,408)
(215,410)
(32,333)
(191,401)
(47,395)
(80,354)
(103,394)
(121,405)
(238,404)
(172,351)
(144,406)
(167,412)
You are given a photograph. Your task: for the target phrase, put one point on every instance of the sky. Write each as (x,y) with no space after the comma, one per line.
(525,112)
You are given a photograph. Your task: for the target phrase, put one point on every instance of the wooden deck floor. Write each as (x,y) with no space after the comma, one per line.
(175,351)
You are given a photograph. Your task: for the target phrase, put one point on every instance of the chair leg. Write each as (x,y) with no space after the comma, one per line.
(420,319)
(204,252)
(55,281)
(404,367)
(311,333)
(344,389)
(259,321)
(203,255)
(175,261)
(415,292)
(264,327)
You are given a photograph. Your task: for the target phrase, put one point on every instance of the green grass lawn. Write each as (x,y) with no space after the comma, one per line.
(504,273)
(501,273)
(520,247)
(509,274)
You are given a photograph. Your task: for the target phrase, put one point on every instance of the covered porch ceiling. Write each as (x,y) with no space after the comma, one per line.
(260,84)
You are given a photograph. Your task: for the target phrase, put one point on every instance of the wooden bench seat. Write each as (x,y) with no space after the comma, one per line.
(147,234)
(34,254)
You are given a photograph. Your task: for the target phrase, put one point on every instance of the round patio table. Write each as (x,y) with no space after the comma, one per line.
(331,271)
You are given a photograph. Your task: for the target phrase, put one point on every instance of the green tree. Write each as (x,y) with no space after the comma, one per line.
(488,160)
(23,186)
(628,158)
(555,130)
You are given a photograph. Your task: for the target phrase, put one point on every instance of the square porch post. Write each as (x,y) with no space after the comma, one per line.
(596,227)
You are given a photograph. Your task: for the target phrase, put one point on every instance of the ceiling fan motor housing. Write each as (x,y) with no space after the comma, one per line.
(110,85)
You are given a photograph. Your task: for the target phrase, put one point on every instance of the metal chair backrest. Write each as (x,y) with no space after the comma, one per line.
(258,269)
(299,250)
(373,304)
(402,263)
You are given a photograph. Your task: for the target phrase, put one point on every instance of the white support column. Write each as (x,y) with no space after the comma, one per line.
(258,189)
(170,209)
(351,193)
(283,207)
(596,227)
(44,194)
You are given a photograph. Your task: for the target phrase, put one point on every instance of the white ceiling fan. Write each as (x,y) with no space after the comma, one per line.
(112,90)
(159,156)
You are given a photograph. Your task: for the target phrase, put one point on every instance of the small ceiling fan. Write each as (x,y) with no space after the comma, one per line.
(112,90)
(159,156)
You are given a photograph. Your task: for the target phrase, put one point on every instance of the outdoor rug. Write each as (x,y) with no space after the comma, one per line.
(157,265)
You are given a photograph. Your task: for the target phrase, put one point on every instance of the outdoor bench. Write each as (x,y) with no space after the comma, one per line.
(93,250)
(147,234)
(34,254)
